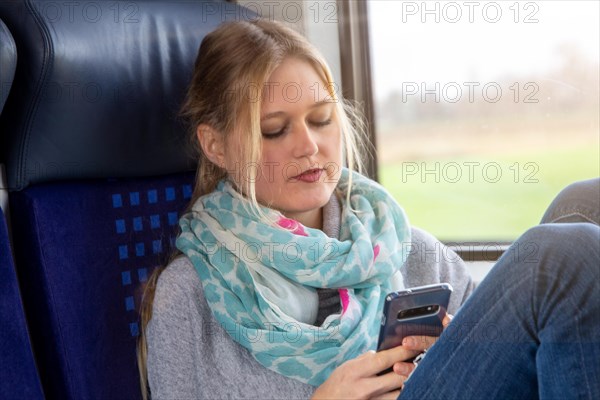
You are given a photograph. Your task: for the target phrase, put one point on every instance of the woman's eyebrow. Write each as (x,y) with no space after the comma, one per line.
(281,113)
(322,103)
(272,115)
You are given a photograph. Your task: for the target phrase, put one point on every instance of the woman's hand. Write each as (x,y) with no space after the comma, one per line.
(357,378)
(418,344)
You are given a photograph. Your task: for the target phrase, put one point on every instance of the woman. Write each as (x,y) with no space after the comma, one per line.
(286,256)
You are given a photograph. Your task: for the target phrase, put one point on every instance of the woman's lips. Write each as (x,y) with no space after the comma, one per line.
(312,175)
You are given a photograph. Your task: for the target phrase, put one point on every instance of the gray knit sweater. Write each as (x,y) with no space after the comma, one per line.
(190,356)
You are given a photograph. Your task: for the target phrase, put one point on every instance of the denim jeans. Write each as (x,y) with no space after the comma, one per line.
(578,202)
(532,327)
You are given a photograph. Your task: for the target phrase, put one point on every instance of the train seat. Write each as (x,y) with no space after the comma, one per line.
(18,373)
(99,169)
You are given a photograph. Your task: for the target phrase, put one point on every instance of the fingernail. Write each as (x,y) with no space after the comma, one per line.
(402,369)
(410,342)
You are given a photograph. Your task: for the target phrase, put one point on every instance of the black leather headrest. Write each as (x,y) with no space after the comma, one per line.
(8,62)
(98,86)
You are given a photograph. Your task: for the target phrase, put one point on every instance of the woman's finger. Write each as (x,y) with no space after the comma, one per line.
(382,360)
(419,343)
(447,319)
(386,383)
(425,342)
(404,368)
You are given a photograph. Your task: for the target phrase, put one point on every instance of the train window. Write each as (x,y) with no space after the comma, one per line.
(484,110)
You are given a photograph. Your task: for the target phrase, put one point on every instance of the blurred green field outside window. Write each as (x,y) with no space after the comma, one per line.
(484,110)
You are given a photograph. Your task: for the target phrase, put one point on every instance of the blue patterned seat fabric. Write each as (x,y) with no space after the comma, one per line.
(85,270)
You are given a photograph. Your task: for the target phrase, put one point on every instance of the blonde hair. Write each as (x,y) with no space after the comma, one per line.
(233,59)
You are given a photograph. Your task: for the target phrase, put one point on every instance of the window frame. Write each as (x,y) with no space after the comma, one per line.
(355,61)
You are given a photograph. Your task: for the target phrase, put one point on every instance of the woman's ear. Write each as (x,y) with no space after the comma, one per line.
(212,143)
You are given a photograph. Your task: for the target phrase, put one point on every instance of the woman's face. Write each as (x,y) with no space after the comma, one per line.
(301,144)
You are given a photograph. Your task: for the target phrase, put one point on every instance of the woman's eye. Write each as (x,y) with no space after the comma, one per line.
(321,123)
(267,134)
(273,134)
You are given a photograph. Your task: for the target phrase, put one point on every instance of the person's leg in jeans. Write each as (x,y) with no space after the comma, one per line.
(531,329)
(578,202)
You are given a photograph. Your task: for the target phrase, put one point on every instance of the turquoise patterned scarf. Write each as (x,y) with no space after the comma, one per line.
(260,279)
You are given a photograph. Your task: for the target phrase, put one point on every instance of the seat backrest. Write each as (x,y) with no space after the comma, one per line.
(18,373)
(8,64)
(99,169)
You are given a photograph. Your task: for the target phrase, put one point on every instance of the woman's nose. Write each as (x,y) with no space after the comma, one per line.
(305,143)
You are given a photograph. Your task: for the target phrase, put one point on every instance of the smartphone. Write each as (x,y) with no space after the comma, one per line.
(417,311)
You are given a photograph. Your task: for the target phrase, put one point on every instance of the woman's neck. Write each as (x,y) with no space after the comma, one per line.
(310,219)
